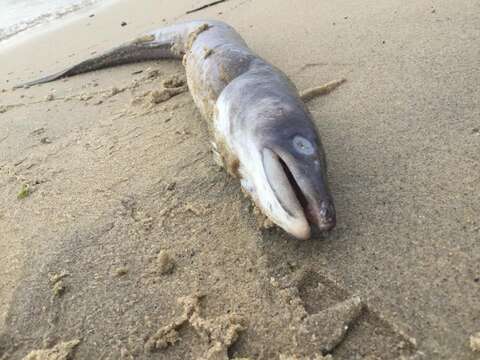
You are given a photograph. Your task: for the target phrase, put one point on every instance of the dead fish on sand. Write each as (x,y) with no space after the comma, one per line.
(262,131)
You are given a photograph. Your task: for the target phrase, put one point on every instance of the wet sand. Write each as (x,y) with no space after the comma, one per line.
(131,243)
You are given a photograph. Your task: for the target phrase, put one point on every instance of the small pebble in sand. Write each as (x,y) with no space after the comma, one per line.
(475,342)
(121,271)
(123,23)
(112,92)
(85,97)
(165,263)
(59,288)
(274,282)
(24,192)
(54,278)
(45,140)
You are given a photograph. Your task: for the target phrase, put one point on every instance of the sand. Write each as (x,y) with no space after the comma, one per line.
(117,180)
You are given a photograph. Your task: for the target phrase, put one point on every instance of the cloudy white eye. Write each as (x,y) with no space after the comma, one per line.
(303,146)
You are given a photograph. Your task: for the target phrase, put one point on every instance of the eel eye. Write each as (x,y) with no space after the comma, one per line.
(303,146)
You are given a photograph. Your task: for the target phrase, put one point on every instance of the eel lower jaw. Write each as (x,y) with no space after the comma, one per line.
(289,213)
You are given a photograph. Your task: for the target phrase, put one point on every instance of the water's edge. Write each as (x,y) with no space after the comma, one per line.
(43,18)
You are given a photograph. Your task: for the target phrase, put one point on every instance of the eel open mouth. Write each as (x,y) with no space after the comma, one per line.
(298,192)
(297,197)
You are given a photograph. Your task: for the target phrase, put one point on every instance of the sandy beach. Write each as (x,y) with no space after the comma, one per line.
(122,239)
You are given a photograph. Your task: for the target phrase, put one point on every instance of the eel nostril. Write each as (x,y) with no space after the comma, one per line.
(327,211)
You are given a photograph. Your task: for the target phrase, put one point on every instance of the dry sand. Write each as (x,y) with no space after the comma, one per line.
(131,240)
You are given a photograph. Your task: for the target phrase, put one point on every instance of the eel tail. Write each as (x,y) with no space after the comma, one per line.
(165,43)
